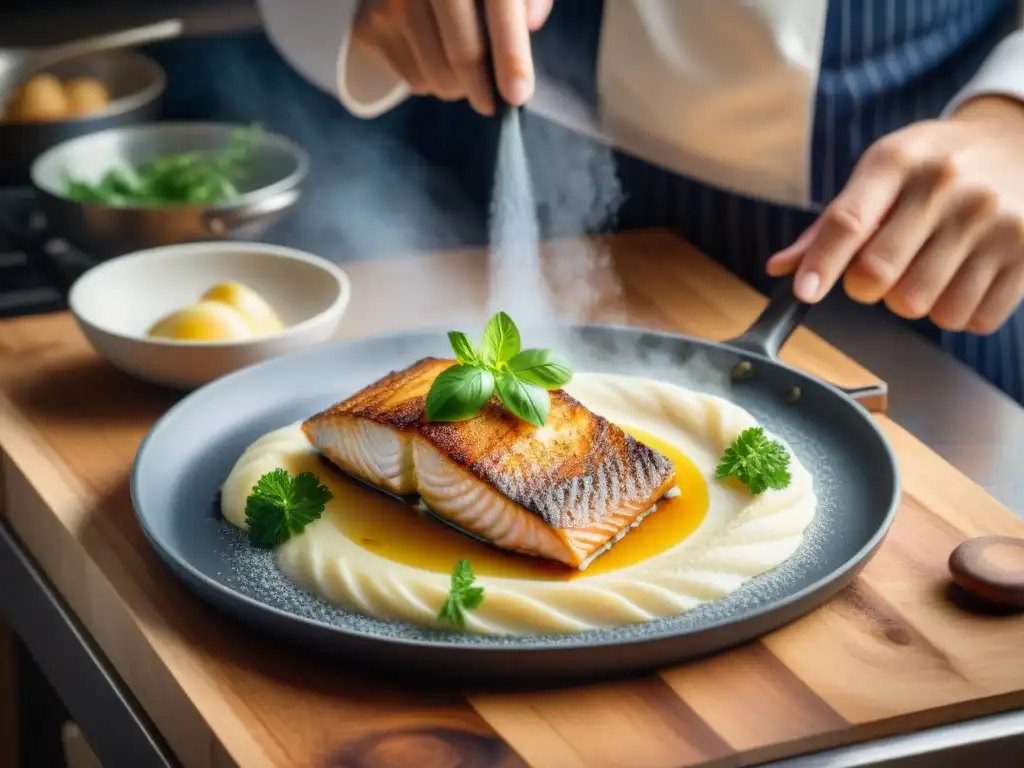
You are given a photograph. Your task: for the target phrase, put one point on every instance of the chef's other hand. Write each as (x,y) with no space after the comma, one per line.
(931,222)
(438,46)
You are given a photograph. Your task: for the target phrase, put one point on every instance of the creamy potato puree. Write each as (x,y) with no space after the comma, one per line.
(741,537)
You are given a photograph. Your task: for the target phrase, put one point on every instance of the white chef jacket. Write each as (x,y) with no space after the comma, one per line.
(721,91)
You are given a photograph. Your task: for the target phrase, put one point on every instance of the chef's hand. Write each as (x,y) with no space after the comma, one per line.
(438,46)
(931,222)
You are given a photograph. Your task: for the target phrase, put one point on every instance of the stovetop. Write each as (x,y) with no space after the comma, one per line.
(36,269)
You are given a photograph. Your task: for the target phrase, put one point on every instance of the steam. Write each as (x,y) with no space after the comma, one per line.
(553,183)
(516,283)
(373,196)
(384,199)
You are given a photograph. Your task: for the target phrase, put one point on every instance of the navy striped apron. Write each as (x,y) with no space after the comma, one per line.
(885,64)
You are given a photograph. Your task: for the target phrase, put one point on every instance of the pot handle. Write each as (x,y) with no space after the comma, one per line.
(771,330)
(221,221)
(125,38)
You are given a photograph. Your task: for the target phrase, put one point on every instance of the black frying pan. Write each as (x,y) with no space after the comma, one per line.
(191,450)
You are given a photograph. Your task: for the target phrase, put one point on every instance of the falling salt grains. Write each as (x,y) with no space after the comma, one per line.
(516,280)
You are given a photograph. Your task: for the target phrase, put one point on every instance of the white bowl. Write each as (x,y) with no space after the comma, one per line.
(116,302)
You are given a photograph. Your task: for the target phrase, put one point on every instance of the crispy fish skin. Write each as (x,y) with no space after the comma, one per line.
(560,491)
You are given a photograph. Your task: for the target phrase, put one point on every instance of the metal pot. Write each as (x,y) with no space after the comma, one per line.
(136,85)
(272,187)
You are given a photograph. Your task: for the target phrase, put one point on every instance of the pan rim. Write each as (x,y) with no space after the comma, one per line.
(557,644)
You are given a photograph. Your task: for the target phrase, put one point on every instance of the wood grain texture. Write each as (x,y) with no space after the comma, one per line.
(890,654)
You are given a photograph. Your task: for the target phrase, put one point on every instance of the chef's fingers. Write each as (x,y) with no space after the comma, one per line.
(537,12)
(378,32)
(510,47)
(850,219)
(463,41)
(394,48)
(1004,295)
(933,269)
(887,254)
(999,303)
(961,299)
(940,258)
(424,38)
(786,260)
(995,250)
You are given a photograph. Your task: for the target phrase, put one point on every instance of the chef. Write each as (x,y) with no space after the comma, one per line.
(873,143)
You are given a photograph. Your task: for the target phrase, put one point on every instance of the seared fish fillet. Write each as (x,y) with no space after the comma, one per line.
(560,491)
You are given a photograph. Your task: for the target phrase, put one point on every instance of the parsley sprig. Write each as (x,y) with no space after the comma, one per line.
(520,377)
(281,506)
(462,595)
(757,461)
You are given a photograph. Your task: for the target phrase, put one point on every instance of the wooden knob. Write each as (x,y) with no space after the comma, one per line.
(991,568)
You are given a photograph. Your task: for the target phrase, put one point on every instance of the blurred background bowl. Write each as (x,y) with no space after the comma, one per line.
(136,86)
(276,171)
(116,303)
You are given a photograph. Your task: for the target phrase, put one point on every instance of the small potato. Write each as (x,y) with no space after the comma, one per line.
(86,95)
(41,98)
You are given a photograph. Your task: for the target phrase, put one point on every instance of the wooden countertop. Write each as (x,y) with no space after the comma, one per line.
(889,655)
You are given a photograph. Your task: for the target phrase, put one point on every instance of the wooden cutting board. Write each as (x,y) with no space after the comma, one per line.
(891,654)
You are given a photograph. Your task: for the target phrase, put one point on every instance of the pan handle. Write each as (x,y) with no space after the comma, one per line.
(776,323)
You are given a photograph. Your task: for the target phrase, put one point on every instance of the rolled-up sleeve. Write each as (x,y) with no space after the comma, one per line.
(1002,74)
(314,37)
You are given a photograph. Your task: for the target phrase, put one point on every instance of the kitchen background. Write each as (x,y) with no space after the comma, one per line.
(405,182)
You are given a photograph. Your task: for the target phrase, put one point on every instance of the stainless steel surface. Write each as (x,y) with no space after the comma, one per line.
(989,742)
(18,64)
(116,726)
(277,168)
(136,85)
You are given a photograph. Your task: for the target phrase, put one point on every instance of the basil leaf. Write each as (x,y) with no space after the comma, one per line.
(501,340)
(543,367)
(458,393)
(527,401)
(464,348)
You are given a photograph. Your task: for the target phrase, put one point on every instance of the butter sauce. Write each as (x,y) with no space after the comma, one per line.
(399,532)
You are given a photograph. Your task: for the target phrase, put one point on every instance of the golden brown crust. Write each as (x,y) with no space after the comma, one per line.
(576,470)
(396,400)
(572,472)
